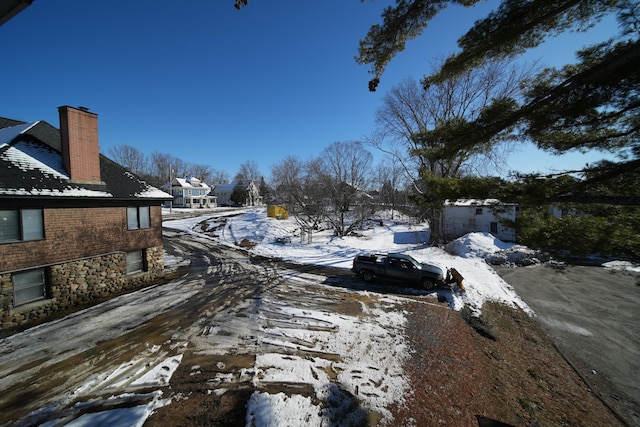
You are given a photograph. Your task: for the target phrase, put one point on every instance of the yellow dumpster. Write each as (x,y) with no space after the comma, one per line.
(277,211)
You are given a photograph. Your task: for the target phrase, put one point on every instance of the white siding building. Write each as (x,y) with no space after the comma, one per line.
(224,191)
(190,192)
(472,215)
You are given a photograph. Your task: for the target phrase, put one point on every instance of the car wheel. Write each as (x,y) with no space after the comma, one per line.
(427,284)
(367,276)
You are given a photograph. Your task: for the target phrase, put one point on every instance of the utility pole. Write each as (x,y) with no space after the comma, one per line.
(171,189)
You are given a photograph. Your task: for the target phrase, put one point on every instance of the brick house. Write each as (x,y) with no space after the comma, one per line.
(74,226)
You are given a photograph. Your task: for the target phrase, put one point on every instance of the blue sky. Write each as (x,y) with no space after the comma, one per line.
(212,85)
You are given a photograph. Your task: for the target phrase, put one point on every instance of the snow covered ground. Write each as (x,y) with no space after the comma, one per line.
(382,235)
(351,336)
(370,345)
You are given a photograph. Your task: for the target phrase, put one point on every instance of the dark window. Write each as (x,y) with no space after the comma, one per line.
(138,217)
(135,262)
(406,264)
(494,228)
(21,224)
(478,211)
(28,286)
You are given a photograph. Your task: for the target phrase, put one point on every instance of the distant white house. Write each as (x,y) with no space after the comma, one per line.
(190,192)
(224,191)
(472,215)
(561,212)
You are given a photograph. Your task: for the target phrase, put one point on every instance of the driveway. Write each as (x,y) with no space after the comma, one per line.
(594,315)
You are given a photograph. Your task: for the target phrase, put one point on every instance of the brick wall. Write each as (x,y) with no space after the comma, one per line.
(83,255)
(80,149)
(73,233)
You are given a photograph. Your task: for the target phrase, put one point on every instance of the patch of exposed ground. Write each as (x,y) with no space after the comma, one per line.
(196,404)
(509,374)
(463,378)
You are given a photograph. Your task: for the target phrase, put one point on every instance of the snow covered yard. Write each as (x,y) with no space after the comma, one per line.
(352,338)
(312,354)
(382,235)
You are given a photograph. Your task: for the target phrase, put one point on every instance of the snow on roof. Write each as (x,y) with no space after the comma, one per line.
(191,182)
(8,134)
(475,202)
(30,167)
(153,193)
(45,192)
(40,163)
(29,156)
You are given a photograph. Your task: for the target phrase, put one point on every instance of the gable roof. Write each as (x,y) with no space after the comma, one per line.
(31,166)
(476,203)
(230,187)
(190,182)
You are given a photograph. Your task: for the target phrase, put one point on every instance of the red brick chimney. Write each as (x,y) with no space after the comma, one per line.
(80,153)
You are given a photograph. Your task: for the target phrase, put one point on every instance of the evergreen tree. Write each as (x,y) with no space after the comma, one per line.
(239,194)
(592,104)
(265,191)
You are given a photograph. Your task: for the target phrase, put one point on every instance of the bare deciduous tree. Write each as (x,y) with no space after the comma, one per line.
(219,177)
(409,111)
(159,168)
(392,185)
(129,157)
(295,185)
(249,171)
(202,172)
(329,190)
(344,173)
(411,115)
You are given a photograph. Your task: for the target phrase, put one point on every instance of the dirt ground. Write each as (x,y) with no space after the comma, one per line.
(506,370)
(501,371)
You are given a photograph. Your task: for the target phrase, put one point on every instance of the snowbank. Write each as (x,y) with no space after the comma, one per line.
(481,282)
(622,265)
(493,250)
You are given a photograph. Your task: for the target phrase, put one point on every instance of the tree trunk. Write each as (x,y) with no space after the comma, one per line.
(436,225)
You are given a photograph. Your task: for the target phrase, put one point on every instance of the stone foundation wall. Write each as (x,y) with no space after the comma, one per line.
(79,282)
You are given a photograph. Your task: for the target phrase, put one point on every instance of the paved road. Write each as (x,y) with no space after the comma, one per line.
(594,314)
